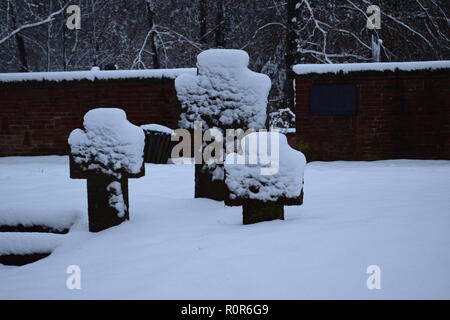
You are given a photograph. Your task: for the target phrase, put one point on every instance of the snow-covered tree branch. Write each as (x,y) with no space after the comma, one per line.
(25,26)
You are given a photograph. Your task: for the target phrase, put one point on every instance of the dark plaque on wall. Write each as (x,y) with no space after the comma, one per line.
(333,99)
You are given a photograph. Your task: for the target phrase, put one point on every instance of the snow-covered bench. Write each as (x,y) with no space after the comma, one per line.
(158,143)
(108,152)
(264,177)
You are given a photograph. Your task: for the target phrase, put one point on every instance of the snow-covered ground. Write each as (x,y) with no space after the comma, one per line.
(394,214)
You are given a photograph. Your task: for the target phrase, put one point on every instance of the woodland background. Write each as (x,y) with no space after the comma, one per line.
(155,34)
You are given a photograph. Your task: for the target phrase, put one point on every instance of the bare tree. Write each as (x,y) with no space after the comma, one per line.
(169,34)
(15,25)
(11,14)
(335,30)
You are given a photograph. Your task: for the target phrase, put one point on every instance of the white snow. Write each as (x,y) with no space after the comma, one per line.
(245,178)
(378,66)
(57,218)
(157,127)
(394,214)
(110,143)
(283,119)
(116,200)
(224,93)
(221,58)
(27,188)
(28,242)
(95,74)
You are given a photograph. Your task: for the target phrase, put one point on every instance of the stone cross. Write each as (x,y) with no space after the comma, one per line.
(223,95)
(108,203)
(264,190)
(107,154)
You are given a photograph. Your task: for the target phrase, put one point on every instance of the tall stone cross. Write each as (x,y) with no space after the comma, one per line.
(224,94)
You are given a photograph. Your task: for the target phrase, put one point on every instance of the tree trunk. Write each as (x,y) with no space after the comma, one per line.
(291,53)
(22,53)
(220,28)
(155,57)
(202,19)
(20,44)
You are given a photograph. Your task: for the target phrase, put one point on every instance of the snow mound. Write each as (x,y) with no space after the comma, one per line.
(157,127)
(28,242)
(110,143)
(58,218)
(224,93)
(380,66)
(28,185)
(244,176)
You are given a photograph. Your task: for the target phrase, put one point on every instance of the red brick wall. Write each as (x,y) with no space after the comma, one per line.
(399,115)
(36,118)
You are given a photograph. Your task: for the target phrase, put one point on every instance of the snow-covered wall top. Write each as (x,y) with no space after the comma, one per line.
(380,66)
(157,127)
(95,75)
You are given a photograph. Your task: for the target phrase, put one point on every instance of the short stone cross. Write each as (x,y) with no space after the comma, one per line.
(107,153)
(266,176)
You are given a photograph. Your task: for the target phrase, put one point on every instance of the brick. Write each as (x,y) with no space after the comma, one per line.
(398,117)
(50,113)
